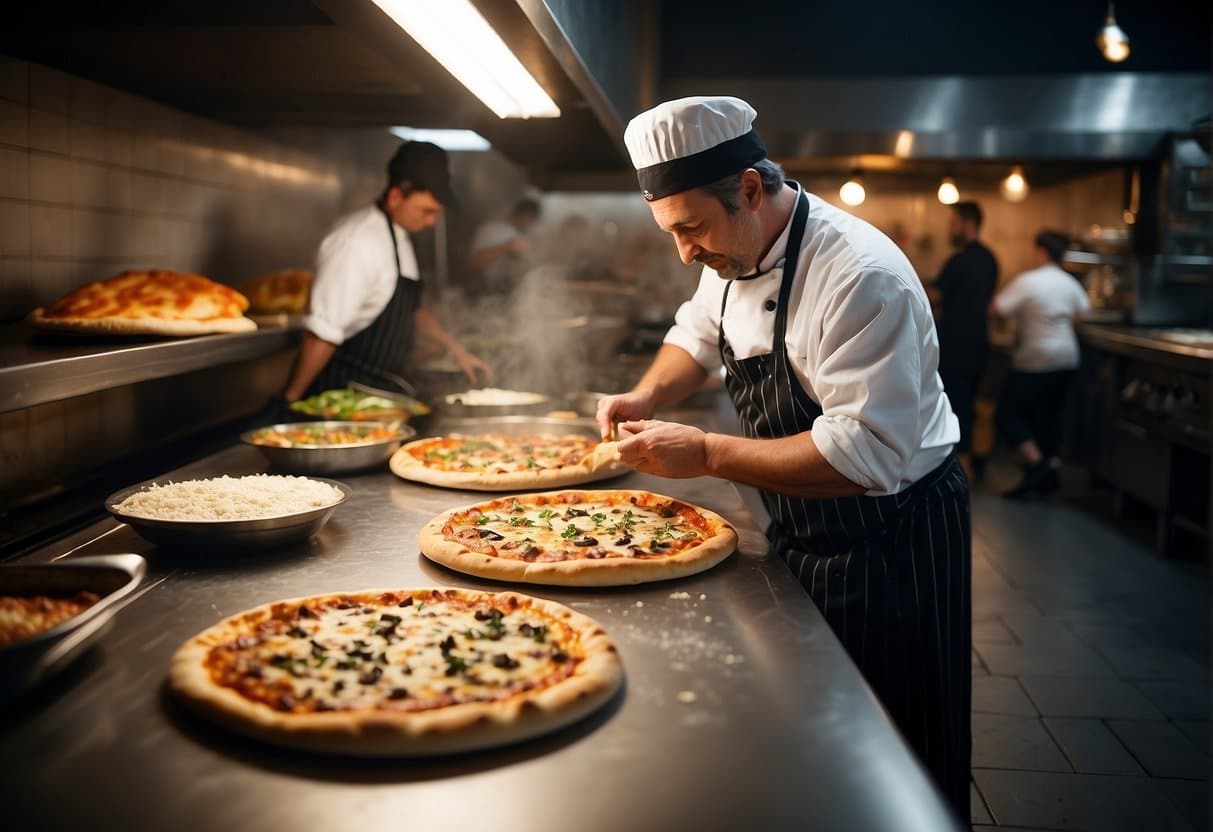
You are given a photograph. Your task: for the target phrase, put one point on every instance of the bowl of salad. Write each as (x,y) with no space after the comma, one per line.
(353,405)
(328,447)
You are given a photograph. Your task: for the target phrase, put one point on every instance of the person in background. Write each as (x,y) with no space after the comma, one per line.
(829,350)
(366,298)
(1045,303)
(963,291)
(499,248)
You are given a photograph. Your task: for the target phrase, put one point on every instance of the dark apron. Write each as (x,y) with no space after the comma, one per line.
(381,351)
(890,574)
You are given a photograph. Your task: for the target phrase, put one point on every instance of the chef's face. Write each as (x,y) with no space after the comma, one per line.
(414,212)
(705,232)
(958,229)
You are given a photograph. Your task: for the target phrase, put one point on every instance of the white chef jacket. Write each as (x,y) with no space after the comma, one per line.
(356,274)
(860,339)
(1044,302)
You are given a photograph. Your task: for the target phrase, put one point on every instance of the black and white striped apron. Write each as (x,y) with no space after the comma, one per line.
(381,351)
(890,574)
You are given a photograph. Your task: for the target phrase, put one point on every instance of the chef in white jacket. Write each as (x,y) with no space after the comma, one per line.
(829,351)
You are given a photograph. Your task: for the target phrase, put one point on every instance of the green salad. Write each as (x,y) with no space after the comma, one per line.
(354,404)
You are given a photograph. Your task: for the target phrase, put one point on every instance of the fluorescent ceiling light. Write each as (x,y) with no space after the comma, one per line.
(446,139)
(460,39)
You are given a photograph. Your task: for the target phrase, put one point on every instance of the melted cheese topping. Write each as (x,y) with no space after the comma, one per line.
(500,454)
(573,525)
(23,617)
(152,294)
(397,654)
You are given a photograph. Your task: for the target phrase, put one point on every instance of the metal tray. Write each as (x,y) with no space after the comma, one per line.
(24,664)
(330,459)
(228,535)
(458,410)
(515,425)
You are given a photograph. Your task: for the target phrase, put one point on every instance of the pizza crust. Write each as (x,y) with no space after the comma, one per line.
(464,727)
(140,326)
(597,466)
(581,572)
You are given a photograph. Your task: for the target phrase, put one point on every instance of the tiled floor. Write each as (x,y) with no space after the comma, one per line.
(1090,667)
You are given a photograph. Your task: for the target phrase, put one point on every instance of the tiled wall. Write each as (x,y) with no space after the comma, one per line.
(94,180)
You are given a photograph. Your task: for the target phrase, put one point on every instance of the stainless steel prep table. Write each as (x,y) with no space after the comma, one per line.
(782,732)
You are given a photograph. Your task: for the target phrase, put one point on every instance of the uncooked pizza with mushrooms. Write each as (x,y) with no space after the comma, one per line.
(399,672)
(505,462)
(579,538)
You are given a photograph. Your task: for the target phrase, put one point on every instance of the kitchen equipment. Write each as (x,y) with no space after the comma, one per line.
(327,458)
(242,535)
(28,662)
(464,406)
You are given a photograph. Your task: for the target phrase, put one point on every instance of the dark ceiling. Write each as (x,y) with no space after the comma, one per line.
(711,39)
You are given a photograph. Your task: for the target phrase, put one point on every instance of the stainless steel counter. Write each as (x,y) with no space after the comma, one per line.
(1185,349)
(782,732)
(36,368)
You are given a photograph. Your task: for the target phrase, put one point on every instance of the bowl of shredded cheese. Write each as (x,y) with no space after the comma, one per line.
(248,512)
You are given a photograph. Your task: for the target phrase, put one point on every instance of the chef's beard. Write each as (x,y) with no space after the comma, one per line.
(748,248)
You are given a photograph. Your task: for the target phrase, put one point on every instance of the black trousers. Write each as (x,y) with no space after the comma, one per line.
(961,380)
(899,601)
(1032,406)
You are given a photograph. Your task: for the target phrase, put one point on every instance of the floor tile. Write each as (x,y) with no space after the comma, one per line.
(1014,742)
(977,807)
(1161,749)
(1088,698)
(1197,732)
(1190,797)
(1045,659)
(1100,634)
(979,668)
(1001,695)
(1178,700)
(1155,663)
(1098,803)
(992,631)
(1091,746)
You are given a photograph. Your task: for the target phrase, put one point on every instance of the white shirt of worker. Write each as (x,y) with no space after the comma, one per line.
(860,339)
(1044,302)
(356,274)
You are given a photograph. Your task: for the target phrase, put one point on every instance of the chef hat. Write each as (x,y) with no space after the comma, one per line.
(689,142)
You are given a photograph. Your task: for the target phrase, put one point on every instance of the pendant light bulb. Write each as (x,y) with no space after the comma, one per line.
(948,193)
(852,191)
(1015,187)
(1112,40)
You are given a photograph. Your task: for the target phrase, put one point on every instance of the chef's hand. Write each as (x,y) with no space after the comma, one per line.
(472,365)
(666,449)
(623,407)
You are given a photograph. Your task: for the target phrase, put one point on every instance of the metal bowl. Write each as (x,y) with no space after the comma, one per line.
(331,459)
(243,535)
(27,662)
(451,406)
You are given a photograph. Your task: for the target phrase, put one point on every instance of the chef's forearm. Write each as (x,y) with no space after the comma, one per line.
(671,377)
(314,353)
(429,328)
(791,465)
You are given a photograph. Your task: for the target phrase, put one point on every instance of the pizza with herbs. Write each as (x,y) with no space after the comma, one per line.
(502,462)
(25,616)
(579,538)
(155,302)
(399,672)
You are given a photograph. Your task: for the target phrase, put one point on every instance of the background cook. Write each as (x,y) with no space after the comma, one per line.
(831,356)
(366,305)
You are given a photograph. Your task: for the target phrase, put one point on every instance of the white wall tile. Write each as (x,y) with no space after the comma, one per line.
(88,140)
(50,228)
(148,192)
(48,131)
(14,123)
(52,279)
(119,145)
(18,297)
(89,100)
(96,234)
(14,229)
(88,185)
(48,88)
(14,173)
(118,189)
(50,178)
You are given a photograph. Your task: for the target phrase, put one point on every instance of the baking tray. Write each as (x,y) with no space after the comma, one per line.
(228,535)
(113,577)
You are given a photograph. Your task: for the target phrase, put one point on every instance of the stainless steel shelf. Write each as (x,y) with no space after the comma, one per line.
(36,368)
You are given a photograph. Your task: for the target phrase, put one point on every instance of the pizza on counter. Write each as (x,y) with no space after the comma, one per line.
(579,538)
(284,290)
(399,672)
(25,616)
(155,302)
(503,462)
